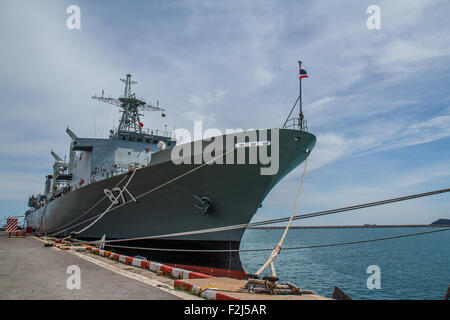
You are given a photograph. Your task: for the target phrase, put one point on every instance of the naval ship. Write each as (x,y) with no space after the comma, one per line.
(144,195)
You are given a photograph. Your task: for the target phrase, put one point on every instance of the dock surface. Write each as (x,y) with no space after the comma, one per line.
(31,271)
(28,270)
(230,289)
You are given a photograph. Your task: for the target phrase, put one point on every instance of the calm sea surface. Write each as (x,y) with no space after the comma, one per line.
(410,268)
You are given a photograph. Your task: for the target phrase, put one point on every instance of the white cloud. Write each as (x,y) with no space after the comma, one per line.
(201,101)
(329,147)
(262,77)
(378,137)
(408,52)
(18,186)
(202,108)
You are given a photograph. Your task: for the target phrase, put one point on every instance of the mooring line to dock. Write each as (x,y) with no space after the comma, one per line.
(141,195)
(42,226)
(259,223)
(284,248)
(365,241)
(276,250)
(278,220)
(86,212)
(109,207)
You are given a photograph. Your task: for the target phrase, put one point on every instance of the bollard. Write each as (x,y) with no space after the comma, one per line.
(338,294)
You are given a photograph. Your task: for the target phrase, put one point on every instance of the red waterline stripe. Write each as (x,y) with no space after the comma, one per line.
(165,269)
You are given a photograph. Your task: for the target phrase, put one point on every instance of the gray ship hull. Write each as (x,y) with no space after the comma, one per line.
(163,207)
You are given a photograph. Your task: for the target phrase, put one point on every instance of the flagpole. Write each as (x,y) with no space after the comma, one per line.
(300,96)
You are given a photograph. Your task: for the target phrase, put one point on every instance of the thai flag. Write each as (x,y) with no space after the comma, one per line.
(302,71)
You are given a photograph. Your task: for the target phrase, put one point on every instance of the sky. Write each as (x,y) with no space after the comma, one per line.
(378,100)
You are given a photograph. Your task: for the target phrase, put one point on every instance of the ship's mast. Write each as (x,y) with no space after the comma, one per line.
(300,114)
(128,82)
(130,121)
(300,122)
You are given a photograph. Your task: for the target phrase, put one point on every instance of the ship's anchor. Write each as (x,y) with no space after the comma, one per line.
(204,204)
(115,199)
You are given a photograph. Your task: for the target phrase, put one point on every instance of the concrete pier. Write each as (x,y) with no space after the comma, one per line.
(31,270)
(28,270)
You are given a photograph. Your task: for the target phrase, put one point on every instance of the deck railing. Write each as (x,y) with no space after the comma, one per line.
(296,124)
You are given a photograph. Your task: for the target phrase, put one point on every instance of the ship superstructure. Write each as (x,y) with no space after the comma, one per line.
(94,159)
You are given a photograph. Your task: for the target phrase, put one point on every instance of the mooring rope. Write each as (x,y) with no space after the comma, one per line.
(284,248)
(276,250)
(112,203)
(86,212)
(145,193)
(42,226)
(278,220)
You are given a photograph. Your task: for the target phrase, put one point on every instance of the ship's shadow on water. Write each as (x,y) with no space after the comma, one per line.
(410,268)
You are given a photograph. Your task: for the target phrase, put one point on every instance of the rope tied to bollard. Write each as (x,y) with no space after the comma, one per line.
(276,250)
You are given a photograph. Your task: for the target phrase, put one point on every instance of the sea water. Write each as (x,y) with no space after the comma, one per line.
(406,268)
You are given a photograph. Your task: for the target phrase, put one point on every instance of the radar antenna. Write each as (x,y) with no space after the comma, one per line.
(128,82)
(130,121)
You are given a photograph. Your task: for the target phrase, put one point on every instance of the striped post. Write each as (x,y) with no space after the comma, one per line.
(11,224)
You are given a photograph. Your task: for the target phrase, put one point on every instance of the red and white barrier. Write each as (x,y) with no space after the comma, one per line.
(206,293)
(152,266)
(17,234)
(72,248)
(11,224)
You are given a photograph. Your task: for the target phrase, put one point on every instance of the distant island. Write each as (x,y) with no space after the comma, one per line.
(437,223)
(441,222)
